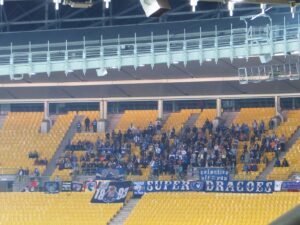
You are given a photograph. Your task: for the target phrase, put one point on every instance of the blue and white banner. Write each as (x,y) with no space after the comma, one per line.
(90,186)
(178,186)
(290,186)
(51,187)
(111,192)
(66,186)
(138,188)
(110,174)
(77,186)
(213,174)
(240,186)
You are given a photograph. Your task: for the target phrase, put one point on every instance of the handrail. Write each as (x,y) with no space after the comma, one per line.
(142,40)
(8,171)
(129,51)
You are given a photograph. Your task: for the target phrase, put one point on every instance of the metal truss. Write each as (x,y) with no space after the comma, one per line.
(17,15)
(16,61)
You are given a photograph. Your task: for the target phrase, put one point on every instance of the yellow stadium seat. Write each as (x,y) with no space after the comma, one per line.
(211,209)
(57,209)
(20,135)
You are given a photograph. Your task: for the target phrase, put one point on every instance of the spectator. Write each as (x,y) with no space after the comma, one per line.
(26,172)
(95,126)
(158,125)
(78,127)
(20,174)
(277,163)
(285,163)
(87,124)
(246,168)
(271,124)
(33,155)
(282,141)
(57,179)
(34,184)
(36,172)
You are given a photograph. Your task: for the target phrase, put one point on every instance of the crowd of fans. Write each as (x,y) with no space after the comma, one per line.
(25,172)
(174,152)
(88,124)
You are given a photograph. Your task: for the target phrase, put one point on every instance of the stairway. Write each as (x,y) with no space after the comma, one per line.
(192,120)
(229,117)
(113,120)
(68,136)
(2,120)
(120,218)
(289,144)
(165,118)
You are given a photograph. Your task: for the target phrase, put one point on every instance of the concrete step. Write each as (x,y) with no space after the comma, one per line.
(228,117)
(192,120)
(68,136)
(121,217)
(113,121)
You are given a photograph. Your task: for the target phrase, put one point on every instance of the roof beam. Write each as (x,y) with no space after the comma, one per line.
(121,82)
(166,98)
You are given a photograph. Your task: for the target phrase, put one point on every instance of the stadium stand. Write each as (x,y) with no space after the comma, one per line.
(138,118)
(206,114)
(292,156)
(20,136)
(185,114)
(247,116)
(66,173)
(177,120)
(211,209)
(88,136)
(288,128)
(55,209)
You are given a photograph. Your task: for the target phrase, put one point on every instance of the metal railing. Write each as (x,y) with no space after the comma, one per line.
(8,171)
(255,74)
(130,51)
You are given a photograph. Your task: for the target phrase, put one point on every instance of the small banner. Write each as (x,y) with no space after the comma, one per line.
(66,186)
(290,186)
(138,188)
(111,192)
(51,187)
(90,186)
(76,186)
(110,174)
(240,186)
(213,174)
(174,186)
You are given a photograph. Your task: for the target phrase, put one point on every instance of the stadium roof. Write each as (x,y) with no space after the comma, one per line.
(179,91)
(127,18)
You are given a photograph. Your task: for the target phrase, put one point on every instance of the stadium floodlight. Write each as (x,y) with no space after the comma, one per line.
(56,2)
(263,8)
(293,11)
(230,7)
(193,3)
(107,3)
(1,2)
